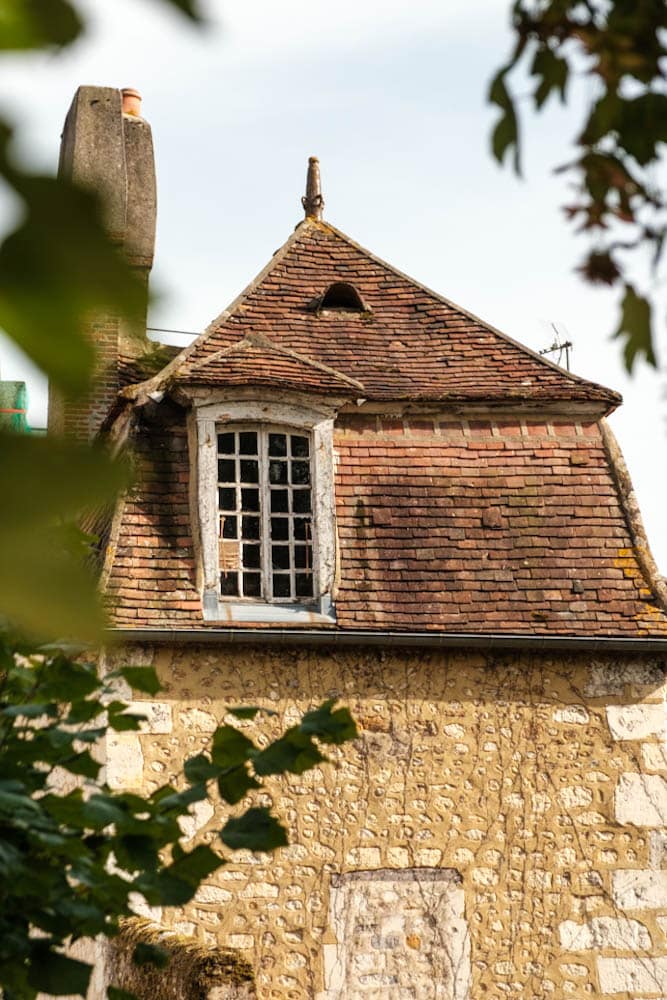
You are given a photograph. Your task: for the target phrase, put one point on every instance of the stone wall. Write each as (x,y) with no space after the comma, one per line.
(496,831)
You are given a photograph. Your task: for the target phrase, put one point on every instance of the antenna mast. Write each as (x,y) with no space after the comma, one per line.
(560,346)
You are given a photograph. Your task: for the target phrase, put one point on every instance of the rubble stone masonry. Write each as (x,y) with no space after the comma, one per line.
(496,831)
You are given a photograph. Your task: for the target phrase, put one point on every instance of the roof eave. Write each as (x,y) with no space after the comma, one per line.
(499,641)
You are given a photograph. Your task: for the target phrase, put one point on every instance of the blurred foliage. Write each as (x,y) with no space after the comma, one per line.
(75,855)
(620,46)
(57,269)
(44,586)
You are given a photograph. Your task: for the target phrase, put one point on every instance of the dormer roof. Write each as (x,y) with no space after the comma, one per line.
(257,361)
(408,343)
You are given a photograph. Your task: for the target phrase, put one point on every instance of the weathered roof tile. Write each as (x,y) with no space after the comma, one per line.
(408,344)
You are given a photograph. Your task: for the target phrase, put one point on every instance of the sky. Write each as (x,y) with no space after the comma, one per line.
(391,96)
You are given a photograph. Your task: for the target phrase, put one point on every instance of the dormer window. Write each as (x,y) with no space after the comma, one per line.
(266,511)
(342,297)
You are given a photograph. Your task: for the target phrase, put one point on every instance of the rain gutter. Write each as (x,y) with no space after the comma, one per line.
(405,640)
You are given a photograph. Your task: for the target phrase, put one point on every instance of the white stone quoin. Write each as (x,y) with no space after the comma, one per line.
(617,933)
(641,800)
(636,722)
(633,975)
(639,889)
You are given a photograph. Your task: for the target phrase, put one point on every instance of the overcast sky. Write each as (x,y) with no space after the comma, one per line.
(391,96)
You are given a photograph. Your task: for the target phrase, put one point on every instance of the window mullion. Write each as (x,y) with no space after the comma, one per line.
(239,546)
(265,511)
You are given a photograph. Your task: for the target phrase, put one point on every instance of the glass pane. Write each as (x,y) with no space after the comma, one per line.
(280,557)
(252,585)
(249,471)
(226,470)
(302,557)
(304,585)
(277,472)
(229,584)
(228,527)
(227,498)
(249,499)
(277,445)
(279,502)
(248,443)
(299,446)
(301,501)
(300,473)
(302,528)
(279,528)
(250,527)
(251,556)
(226,444)
(281,585)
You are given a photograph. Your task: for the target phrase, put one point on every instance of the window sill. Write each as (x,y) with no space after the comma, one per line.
(216,610)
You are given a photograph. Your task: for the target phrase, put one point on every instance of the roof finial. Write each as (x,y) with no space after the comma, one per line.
(313,202)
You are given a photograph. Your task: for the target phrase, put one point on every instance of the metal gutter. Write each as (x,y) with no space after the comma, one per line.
(410,640)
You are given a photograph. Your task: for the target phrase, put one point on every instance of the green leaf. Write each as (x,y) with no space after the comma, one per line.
(100,811)
(63,680)
(506,133)
(230,747)
(37,24)
(553,71)
(196,865)
(329,727)
(30,711)
(256,830)
(635,328)
(642,125)
(136,852)
(235,783)
(142,679)
(82,764)
(249,711)
(113,993)
(294,752)
(179,801)
(51,972)
(150,954)
(200,768)
(122,722)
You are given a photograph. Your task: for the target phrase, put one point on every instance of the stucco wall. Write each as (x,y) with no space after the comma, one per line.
(532,786)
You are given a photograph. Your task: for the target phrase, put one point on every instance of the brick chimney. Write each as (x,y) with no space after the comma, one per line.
(107,146)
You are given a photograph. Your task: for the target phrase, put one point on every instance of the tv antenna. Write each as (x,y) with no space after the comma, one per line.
(560,347)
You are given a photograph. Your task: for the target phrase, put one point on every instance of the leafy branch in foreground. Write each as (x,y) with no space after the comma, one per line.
(74,853)
(620,46)
(58,268)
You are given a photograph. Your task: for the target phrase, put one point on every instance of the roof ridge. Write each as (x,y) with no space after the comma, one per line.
(466,312)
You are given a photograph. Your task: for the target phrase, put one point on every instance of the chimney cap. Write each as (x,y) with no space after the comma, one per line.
(312,201)
(131,102)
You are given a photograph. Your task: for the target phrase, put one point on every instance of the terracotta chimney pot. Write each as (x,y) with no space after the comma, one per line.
(131,102)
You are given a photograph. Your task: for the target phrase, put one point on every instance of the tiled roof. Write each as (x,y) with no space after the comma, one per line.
(409,343)
(255,360)
(452,526)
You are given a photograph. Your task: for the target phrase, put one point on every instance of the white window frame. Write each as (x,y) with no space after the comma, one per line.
(210,420)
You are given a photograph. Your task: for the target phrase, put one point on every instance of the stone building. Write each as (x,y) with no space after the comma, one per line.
(350,487)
